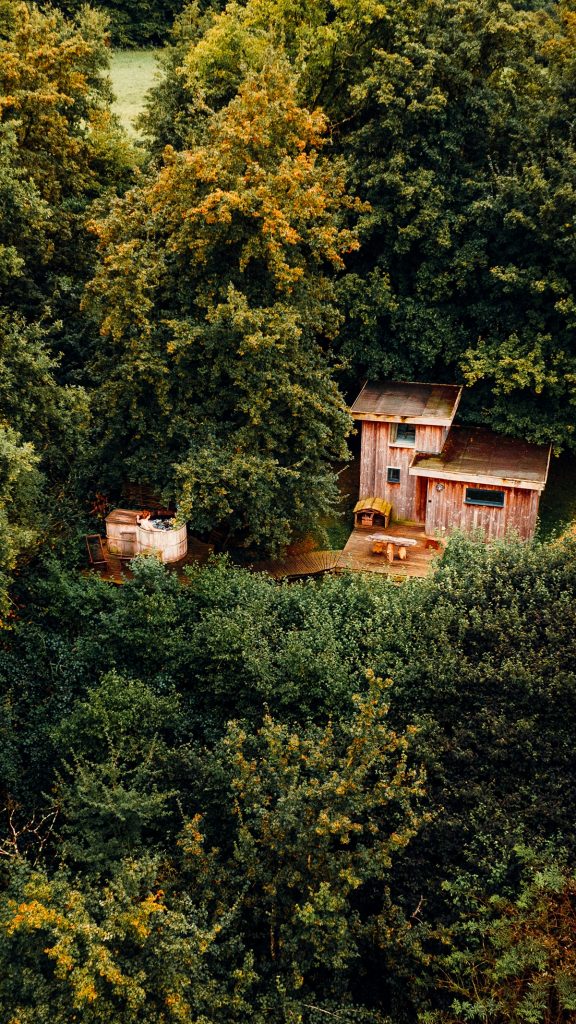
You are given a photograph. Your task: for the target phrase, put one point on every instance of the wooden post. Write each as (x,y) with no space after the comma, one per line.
(402,553)
(390,552)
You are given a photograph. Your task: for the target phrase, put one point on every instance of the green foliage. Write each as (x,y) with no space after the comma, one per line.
(43,427)
(169,106)
(55,100)
(455,120)
(291,816)
(53,417)
(24,218)
(60,150)
(511,956)
(318,816)
(293,892)
(214,811)
(111,789)
(144,24)
(19,519)
(123,952)
(214,294)
(52,92)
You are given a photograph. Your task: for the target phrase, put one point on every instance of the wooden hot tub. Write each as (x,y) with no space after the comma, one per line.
(169,545)
(130,532)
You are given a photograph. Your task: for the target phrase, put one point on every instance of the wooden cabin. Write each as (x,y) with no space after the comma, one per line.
(398,420)
(481,480)
(441,476)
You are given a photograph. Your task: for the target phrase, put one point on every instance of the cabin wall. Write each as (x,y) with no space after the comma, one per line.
(430,440)
(373,435)
(377,454)
(446,511)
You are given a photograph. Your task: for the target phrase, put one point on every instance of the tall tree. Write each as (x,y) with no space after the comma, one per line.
(60,149)
(216,298)
(318,818)
(456,119)
(262,910)
(44,428)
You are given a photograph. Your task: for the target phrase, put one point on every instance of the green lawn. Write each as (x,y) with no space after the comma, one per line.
(133,74)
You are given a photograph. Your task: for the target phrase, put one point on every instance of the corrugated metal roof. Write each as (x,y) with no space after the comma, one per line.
(480,456)
(403,401)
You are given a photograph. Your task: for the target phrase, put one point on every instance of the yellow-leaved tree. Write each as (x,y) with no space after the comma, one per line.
(217,303)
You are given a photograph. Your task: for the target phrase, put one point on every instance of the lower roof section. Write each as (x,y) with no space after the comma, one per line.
(479,456)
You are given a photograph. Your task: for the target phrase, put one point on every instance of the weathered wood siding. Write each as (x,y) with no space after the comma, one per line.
(372,435)
(377,454)
(446,511)
(430,439)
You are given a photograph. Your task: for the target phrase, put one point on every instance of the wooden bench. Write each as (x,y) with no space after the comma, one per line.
(386,544)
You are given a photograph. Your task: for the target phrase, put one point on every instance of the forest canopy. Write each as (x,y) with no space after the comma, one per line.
(224,799)
(326,193)
(455,120)
(233,799)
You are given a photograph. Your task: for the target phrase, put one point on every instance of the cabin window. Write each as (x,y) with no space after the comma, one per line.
(393,475)
(479,496)
(403,435)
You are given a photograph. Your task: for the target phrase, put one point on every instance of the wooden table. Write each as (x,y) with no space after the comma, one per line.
(386,544)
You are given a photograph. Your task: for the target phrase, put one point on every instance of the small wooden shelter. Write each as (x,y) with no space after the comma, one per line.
(442,476)
(370,512)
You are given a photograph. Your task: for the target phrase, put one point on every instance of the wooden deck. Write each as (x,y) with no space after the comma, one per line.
(117,570)
(310,563)
(357,555)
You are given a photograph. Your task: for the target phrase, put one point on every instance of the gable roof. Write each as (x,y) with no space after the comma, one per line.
(479,456)
(374,505)
(407,402)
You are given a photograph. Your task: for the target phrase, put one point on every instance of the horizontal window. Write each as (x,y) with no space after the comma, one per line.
(393,475)
(478,496)
(403,434)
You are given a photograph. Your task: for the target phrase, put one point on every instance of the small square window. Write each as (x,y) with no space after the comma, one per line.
(480,496)
(404,435)
(393,475)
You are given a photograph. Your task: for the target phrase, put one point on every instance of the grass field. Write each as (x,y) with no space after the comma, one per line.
(133,74)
